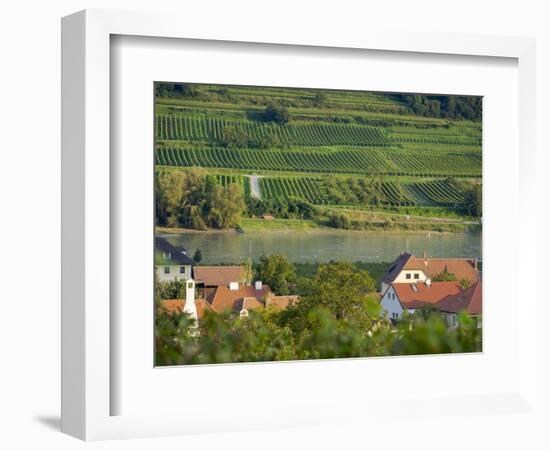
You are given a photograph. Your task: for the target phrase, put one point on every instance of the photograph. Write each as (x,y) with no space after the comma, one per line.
(305,224)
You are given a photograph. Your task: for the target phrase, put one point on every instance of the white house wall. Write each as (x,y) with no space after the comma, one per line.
(402,277)
(174,273)
(390,304)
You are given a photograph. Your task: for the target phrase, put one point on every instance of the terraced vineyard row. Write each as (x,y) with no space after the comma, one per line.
(346,161)
(439,192)
(434,139)
(185,127)
(309,189)
(393,193)
(364,161)
(226,179)
(432,163)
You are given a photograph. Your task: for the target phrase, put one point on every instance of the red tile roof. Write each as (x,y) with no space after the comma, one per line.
(176,306)
(462,268)
(447,296)
(281,301)
(217,275)
(416,295)
(225,299)
(173,305)
(469,300)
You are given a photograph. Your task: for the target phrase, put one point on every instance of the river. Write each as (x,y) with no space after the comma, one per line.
(325,246)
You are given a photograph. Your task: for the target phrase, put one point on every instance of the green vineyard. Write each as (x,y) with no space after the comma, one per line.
(319,191)
(227,179)
(435,139)
(202,128)
(335,149)
(363,161)
(309,189)
(439,192)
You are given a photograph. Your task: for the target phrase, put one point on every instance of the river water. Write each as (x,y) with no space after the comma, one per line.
(325,246)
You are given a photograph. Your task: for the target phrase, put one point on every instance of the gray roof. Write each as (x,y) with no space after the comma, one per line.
(396,268)
(176,254)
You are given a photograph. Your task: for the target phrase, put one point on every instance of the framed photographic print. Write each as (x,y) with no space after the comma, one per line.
(296,223)
(290,223)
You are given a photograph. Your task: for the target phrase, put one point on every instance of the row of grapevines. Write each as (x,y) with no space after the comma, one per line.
(201,127)
(431,163)
(344,161)
(434,139)
(309,189)
(439,192)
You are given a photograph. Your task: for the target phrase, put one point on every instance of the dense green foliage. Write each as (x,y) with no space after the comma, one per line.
(277,272)
(276,113)
(195,200)
(283,208)
(449,106)
(234,137)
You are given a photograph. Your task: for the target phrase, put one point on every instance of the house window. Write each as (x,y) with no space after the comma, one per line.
(453,320)
(190,285)
(416,276)
(166,269)
(408,276)
(182,269)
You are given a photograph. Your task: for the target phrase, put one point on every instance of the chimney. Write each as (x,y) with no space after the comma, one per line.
(233,286)
(475,263)
(190,306)
(258,285)
(428,282)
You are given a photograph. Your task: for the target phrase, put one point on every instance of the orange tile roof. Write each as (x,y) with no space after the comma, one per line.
(447,296)
(461,268)
(469,300)
(202,306)
(281,301)
(217,275)
(173,305)
(225,299)
(176,306)
(416,295)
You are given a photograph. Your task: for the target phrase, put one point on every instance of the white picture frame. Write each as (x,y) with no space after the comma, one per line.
(87,354)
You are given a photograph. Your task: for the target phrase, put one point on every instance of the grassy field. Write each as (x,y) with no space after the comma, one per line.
(339,150)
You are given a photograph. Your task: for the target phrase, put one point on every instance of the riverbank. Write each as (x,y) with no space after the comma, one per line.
(249,225)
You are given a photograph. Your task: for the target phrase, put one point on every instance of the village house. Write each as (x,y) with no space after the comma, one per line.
(410,269)
(448,297)
(171,263)
(210,278)
(213,288)
(239,299)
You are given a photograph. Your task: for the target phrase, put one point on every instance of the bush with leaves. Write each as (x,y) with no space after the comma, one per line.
(234,137)
(276,113)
